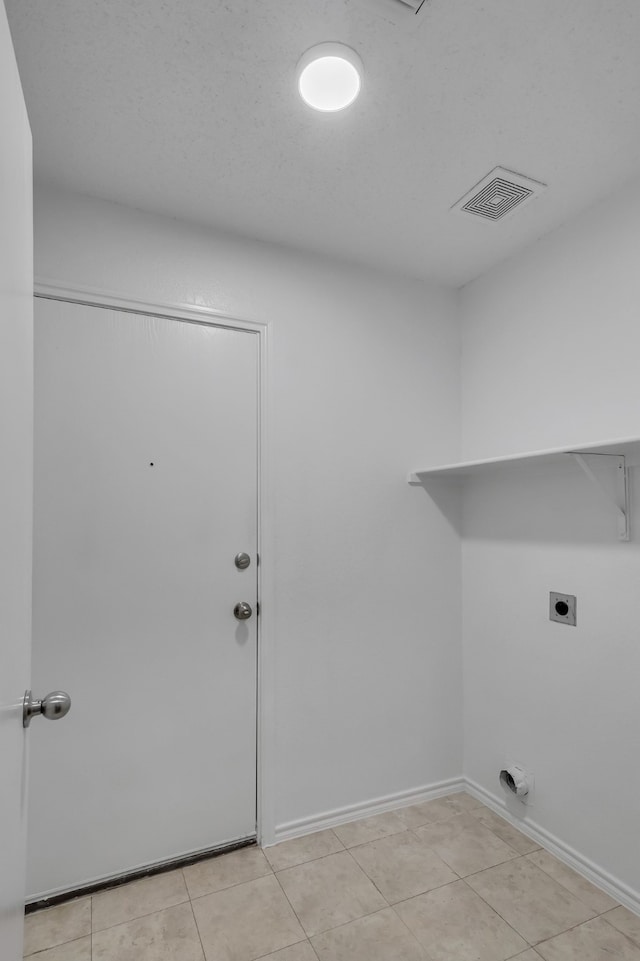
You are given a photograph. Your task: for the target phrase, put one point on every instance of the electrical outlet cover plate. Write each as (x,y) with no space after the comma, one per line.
(562,608)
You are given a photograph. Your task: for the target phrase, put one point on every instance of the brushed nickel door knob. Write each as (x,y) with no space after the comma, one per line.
(242,611)
(54,706)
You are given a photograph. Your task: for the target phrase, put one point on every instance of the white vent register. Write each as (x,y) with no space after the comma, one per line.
(498,194)
(395,11)
(412,4)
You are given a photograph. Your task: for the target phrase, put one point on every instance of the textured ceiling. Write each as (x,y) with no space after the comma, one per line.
(188,108)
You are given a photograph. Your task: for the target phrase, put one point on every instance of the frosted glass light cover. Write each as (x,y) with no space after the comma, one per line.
(329,76)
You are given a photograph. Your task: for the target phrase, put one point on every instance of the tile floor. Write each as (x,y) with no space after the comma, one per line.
(446,880)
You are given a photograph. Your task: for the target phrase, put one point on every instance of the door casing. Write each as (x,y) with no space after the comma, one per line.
(265,734)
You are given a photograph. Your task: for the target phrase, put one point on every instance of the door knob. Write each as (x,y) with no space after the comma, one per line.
(54,706)
(242,611)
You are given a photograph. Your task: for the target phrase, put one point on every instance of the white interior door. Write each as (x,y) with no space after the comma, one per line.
(146,434)
(16,442)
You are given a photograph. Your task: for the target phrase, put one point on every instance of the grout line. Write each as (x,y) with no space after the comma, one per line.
(432,847)
(405,925)
(588,907)
(60,944)
(573,893)
(371,881)
(596,917)
(307,936)
(278,950)
(511,827)
(184,881)
(521,954)
(53,947)
(227,887)
(312,861)
(519,933)
(472,874)
(318,857)
(560,933)
(139,917)
(195,921)
(542,940)
(422,894)
(429,824)
(457,880)
(343,924)
(631,941)
(382,837)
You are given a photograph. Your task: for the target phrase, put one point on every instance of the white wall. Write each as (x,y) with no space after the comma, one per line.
(551,341)
(365,379)
(16,488)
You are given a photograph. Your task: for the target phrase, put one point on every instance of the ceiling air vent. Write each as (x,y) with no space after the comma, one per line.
(498,194)
(394,9)
(413,5)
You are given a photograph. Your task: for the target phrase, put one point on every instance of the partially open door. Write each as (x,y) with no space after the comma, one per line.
(16,444)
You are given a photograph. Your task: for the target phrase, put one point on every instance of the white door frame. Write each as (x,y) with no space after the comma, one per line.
(265,735)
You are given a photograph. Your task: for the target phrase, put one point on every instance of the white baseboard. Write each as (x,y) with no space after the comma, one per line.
(573,859)
(330,819)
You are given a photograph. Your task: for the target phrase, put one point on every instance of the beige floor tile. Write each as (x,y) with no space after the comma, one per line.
(169,935)
(71,951)
(402,866)
(463,803)
(427,812)
(625,921)
(378,937)
(532,902)
(370,829)
(454,924)
(465,844)
(529,955)
(215,874)
(52,926)
(597,900)
(505,831)
(329,892)
(297,952)
(246,921)
(594,941)
(289,853)
(129,901)
(415,816)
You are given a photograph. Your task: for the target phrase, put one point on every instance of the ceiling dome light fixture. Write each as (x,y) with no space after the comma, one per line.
(329,76)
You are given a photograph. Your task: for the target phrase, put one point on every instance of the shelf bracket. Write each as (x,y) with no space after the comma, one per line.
(621,498)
